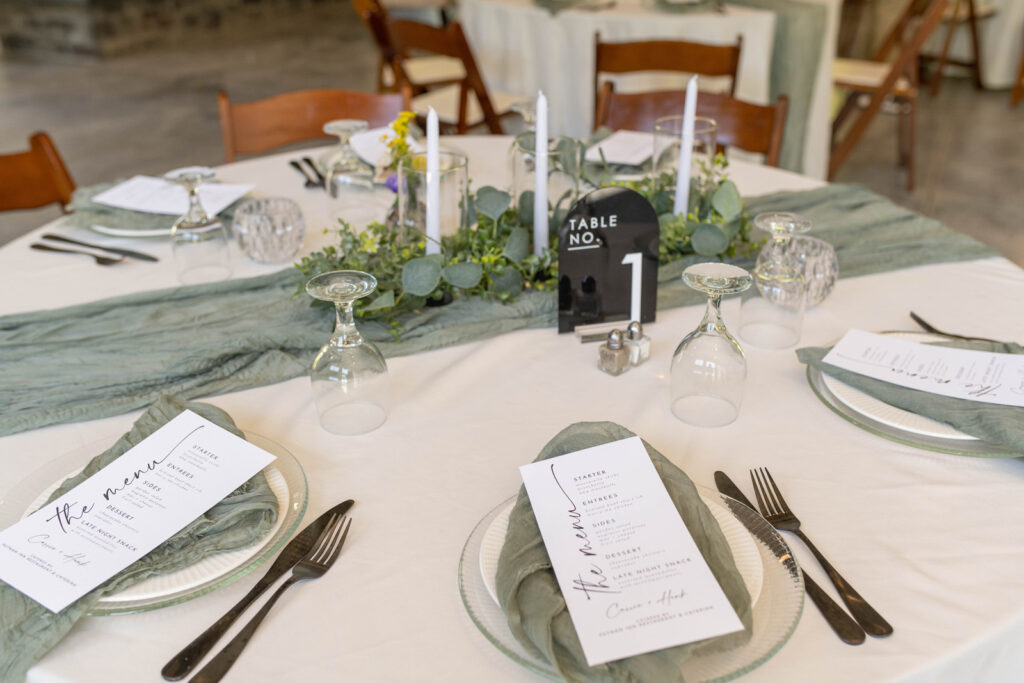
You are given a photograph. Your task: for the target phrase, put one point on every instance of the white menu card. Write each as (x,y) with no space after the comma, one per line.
(68,547)
(623,147)
(156,195)
(959,373)
(631,574)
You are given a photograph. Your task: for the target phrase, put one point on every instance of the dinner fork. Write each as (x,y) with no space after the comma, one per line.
(102,260)
(776,511)
(928,327)
(314,565)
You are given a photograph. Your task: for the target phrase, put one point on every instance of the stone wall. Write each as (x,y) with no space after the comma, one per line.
(106,28)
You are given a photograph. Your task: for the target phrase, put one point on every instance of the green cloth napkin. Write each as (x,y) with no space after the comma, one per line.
(28,630)
(85,213)
(534,606)
(109,357)
(1003,425)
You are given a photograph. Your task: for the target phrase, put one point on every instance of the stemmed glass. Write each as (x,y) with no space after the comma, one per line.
(709,368)
(352,195)
(342,157)
(199,241)
(772,312)
(349,375)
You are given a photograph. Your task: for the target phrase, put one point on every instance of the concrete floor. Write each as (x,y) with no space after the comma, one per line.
(152,112)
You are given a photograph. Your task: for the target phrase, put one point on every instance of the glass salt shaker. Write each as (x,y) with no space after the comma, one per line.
(638,344)
(614,356)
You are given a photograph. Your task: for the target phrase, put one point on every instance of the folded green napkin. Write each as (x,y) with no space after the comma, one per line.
(1003,425)
(28,630)
(86,213)
(536,612)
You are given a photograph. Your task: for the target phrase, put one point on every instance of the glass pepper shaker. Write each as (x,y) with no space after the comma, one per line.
(614,356)
(638,344)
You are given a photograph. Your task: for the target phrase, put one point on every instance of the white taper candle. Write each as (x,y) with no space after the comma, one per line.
(433,186)
(686,149)
(540,187)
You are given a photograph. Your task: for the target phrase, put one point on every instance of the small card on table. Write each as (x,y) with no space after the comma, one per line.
(156,195)
(958,373)
(632,576)
(628,147)
(68,547)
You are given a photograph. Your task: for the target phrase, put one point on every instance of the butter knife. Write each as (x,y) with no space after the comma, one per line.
(848,630)
(186,660)
(113,250)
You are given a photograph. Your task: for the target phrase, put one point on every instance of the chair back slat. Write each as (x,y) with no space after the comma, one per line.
(33,179)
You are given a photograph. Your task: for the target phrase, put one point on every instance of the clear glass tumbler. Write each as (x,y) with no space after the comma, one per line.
(412,194)
(269,230)
(668,135)
(565,165)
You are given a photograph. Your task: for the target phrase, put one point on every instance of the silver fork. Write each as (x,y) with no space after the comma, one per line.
(314,565)
(776,511)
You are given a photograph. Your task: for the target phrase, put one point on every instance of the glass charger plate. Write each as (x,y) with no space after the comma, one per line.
(285,476)
(897,424)
(777,607)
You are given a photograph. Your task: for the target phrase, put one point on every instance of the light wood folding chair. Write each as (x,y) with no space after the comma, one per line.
(33,179)
(256,127)
(665,55)
(750,127)
(881,80)
(453,104)
(427,71)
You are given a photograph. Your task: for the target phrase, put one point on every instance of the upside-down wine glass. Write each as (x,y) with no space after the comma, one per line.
(199,241)
(349,375)
(708,367)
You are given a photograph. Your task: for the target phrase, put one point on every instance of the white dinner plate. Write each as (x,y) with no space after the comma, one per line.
(286,480)
(371,145)
(776,609)
(125,232)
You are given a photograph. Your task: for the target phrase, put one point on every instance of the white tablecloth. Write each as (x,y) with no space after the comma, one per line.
(933,541)
(521,47)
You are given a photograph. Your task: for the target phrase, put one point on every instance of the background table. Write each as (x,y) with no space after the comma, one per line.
(933,541)
(522,48)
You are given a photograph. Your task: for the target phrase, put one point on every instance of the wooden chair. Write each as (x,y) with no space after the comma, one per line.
(455,108)
(33,179)
(665,55)
(255,127)
(1017,94)
(961,11)
(428,71)
(881,80)
(750,127)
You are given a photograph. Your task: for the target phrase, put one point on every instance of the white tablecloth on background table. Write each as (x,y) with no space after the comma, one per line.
(933,541)
(521,47)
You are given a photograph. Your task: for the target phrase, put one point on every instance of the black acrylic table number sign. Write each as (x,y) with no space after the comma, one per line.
(608,260)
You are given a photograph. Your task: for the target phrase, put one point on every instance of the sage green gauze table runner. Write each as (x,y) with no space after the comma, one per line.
(113,356)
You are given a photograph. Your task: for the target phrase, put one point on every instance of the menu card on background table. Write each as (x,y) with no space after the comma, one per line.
(632,576)
(628,147)
(75,543)
(958,373)
(156,195)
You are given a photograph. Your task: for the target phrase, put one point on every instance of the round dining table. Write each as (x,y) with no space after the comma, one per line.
(935,542)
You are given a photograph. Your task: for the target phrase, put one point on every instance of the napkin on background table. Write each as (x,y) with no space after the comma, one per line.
(29,630)
(998,424)
(536,612)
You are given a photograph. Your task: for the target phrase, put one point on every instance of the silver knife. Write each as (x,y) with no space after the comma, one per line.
(183,662)
(848,630)
(113,250)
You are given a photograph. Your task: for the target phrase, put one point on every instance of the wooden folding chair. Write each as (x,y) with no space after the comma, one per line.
(750,127)
(33,179)
(961,11)
(428,71)
(455,108)
(1018,88)
(665,55)
(256,127)
(883,80)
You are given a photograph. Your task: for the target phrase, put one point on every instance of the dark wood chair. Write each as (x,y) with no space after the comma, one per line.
(36,178)
(428,71)
(750,127)
(665,55)
(260,126)
(1017,94)
(453,104)
(891,76)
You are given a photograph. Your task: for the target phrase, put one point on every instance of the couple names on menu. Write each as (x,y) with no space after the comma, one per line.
(62,551)
(631,574)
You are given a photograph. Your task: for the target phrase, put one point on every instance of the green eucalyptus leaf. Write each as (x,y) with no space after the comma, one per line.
(518,245)
(508,282)
(526,208)
(420,276)
(732,226)
(463,275)
(492,202)
(385,300)
(726,200)
(709,240)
